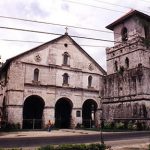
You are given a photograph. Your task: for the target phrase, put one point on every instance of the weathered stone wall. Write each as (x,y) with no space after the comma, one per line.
(127,110)
(49,61)
(127,89)
(130,83)
(127,95)
(134,25)
(134,48)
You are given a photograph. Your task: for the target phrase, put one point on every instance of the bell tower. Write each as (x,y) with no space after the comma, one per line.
(132,42)
(127,84)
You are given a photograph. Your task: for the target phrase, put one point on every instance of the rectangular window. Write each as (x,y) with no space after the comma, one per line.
(78,113)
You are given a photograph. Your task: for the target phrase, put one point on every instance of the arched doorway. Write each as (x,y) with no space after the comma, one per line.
(88,113)
(33,112)
(63,109)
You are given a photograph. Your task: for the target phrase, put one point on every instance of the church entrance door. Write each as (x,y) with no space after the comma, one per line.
(33,112)
(63,109)
(88,113)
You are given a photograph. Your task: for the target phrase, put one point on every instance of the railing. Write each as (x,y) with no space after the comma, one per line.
(88,123)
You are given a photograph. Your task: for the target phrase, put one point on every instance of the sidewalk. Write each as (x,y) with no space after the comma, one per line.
(61,132)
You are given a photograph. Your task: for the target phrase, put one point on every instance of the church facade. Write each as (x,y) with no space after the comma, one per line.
(56,81)
(59,81)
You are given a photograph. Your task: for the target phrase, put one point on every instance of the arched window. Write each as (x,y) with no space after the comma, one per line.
(124,34)
(36,74)
(144,111)
(89,81)
(116,66)
(127,62)
(65,58)
(65,78)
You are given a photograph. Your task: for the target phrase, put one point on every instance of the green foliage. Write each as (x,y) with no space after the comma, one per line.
(130,126)
(119,125)
(75,147)
(108,125)
(125,125)
(10,126)
(47,147)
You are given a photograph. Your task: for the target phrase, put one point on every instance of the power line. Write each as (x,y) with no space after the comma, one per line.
(43,32)
(93,6)
(26,41)
(56,24)
(145,1)
(111,4)
(119,5)
(64,25)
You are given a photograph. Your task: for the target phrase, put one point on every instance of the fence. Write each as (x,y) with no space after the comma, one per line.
(88,123)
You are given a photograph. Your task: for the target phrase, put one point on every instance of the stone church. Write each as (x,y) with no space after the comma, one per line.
(56,81)
(59,81)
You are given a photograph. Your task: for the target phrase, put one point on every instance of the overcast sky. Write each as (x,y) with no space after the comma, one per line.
(94,14)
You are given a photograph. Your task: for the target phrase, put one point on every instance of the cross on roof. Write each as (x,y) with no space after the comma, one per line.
(66,30)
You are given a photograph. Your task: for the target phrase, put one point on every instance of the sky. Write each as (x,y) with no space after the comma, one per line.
(91,14)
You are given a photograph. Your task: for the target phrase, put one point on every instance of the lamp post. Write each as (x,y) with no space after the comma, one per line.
(101,121)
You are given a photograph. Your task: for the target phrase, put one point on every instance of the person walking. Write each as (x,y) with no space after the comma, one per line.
(49,125)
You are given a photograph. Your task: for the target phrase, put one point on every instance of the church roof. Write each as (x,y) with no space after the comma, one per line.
(8,61)
(126,16)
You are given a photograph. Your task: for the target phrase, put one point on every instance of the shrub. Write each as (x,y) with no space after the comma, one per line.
(11,126)
(139,126)
(75,147)
(96,147)
(48,147)
(107,125)
(71,147)
(130,126)
(119,125)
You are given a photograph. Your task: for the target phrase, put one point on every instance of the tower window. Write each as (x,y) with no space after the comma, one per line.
(124,34)
(65,78)
(89,81)
(65,58)
(36,74)
(147,32)
(127,62)
(116,66)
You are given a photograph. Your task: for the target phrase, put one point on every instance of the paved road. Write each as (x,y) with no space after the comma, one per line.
(72,139)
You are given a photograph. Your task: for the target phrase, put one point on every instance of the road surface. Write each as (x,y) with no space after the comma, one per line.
(109,138)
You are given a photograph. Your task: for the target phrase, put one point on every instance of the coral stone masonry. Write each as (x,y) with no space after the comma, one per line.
(59,81)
